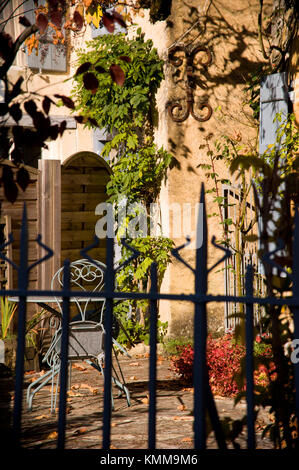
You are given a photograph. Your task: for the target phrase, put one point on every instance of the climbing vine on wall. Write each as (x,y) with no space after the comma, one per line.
(125,107)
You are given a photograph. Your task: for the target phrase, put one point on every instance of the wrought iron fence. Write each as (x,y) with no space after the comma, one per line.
(203,397)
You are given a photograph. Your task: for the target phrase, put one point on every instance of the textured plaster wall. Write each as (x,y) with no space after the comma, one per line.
(229,30)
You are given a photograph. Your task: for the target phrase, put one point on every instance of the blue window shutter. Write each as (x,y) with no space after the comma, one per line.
(55,57)
(274,98)
(99,139)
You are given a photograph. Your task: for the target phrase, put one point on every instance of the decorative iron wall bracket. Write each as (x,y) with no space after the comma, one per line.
(190,83)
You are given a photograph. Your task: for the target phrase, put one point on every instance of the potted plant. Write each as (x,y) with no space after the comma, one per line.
(8,342)
(32,334)
(7,339)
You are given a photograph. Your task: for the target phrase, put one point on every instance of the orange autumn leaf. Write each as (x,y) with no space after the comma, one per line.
(52,435)
(87,3)
(79,367)
(42,417)
(182,407)
(80,431)
(145,400)
(183,418)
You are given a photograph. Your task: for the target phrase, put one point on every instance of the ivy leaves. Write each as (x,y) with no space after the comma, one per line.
(116,80)
(138,175)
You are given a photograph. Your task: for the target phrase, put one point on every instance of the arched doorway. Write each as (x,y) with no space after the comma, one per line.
(84,177)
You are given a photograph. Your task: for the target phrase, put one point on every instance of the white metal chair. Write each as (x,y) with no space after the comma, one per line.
(86,331)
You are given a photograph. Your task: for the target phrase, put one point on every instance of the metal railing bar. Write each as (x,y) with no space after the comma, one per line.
(290,301)
(19,368)
(109,282)
(249,361)
(153,360)
(64,357)
(200,336)
(295,272)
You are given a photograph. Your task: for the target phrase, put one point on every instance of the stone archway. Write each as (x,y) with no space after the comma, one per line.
(84,176)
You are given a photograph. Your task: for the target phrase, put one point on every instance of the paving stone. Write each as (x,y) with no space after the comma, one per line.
(129,425)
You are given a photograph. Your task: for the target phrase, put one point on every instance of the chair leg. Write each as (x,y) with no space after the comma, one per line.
(33,388)
(54,398)
(100,369)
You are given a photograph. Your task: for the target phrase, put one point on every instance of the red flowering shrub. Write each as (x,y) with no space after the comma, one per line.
(224,361)
(183,363)
(224,358)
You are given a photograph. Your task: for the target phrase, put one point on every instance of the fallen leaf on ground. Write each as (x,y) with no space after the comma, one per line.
(147,354)
(52,435)
(93,390)
(83,385)
(133,377)
(42,416)
(75,387)
(29,372)
(79,367)
(145,400)
(80,431)
(186,439)
(183,418)
(134,364)
(113,425)
(113,447)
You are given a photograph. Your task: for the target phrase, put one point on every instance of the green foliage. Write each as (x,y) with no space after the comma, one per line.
(8,309)
(134,277)
(252,89)
(33,328)
(135,331)
(139,167)
(137,176)
(276,191)
(152,250)
(122,108)
(173,344)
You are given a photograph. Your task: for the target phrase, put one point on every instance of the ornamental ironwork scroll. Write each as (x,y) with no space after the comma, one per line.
(190,83)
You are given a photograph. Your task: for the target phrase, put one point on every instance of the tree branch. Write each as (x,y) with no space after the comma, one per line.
(260,34)
(16,46)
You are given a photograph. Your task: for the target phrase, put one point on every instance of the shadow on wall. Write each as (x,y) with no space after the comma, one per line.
(215,31)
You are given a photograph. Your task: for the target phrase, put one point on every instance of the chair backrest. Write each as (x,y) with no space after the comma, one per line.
(88,277)
(86,340)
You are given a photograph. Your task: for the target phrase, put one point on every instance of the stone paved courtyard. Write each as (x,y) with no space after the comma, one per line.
(129,425)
